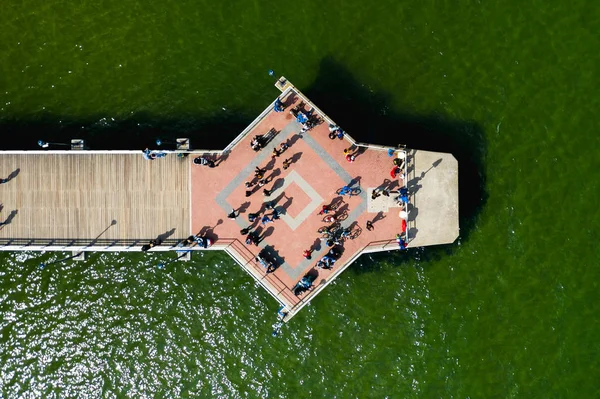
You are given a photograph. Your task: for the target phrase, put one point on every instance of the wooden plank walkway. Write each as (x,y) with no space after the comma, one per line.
(78,195)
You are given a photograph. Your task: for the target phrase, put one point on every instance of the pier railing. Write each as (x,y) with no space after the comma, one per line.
(374,246)
(247,260)
(67,244)
(252,125)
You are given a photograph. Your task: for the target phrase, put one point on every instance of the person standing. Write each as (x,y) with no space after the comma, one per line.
(307,253)
(287,163)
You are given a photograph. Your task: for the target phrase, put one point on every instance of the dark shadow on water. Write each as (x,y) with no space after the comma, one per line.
(368,116)
(138,131)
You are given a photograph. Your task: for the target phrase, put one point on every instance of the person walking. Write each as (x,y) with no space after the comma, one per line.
(276,153)
(265,220)
(375,195)
(252,217)
(287,163)
(267,193)
(233,214)
(307,253)
(370,226)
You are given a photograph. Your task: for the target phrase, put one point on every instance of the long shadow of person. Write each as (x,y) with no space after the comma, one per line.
(12,175)
(296,157)
(222,158)
(10,218)
(162,237)
(378,217)
(266,233)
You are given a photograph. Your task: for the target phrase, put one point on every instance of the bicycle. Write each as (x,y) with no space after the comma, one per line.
(349,234)
(328,230)
(349,191)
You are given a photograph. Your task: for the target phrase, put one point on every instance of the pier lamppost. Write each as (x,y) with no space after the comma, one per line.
(43,265)
(46,144)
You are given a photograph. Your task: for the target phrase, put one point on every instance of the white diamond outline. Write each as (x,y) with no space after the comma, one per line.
(316,199)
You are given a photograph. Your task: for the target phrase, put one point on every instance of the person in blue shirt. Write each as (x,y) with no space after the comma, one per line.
(278,107)
(401,241)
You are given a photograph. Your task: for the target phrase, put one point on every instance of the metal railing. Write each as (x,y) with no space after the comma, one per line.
(249,260)
(81,242)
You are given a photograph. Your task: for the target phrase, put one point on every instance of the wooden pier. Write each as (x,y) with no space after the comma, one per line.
(119,201)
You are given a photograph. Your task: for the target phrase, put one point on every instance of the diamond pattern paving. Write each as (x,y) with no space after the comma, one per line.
(318,169)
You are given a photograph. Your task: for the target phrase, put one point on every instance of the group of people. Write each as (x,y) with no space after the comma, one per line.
(308,119)
(252,237)
(278,106)
(152,155)
(327,261)
(201,241)
(258,182)
(257,143)
(204,161)
(268,264)
(398,169)
(335,132)
(403,197)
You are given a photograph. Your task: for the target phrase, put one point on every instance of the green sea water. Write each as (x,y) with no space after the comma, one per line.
(509,311)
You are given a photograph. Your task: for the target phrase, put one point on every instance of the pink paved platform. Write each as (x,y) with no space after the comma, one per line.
(318,169)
